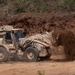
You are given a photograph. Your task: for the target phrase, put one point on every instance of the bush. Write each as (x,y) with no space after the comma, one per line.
(3,1)
(68,5)
(30,6)
(18,6)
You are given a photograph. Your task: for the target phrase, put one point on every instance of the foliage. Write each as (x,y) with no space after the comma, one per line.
(67,5)
(3,1)
(39,5)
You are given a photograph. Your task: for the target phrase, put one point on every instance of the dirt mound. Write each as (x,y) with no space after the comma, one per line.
(39,22)
(67,39)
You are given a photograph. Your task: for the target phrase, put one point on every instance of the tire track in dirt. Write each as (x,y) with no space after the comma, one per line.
(48,68)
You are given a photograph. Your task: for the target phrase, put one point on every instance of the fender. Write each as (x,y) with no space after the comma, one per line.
(45,44)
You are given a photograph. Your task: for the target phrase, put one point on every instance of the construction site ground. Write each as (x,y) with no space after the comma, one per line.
(47,67)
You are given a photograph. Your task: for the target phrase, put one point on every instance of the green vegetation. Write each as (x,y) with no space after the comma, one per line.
(3,1)
(67,5)
(18,6)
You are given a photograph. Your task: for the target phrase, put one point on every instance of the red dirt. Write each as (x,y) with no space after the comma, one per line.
(40,22)
(67,39)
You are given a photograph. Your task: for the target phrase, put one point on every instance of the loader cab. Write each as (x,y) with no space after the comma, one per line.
(12,36)
(19,35)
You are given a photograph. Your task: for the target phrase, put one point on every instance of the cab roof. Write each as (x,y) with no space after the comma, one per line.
(6,28)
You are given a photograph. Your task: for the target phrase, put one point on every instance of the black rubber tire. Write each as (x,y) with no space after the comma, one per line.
(5,54)
(35,53)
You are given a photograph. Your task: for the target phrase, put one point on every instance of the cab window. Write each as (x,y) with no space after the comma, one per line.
(8,38)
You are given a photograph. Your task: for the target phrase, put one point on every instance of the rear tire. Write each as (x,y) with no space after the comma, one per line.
(3,54)
(31,54)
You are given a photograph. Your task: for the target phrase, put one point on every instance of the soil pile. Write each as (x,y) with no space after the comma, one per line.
(67,39)
(40,22)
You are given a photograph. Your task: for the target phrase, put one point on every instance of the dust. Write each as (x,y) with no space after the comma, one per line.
(67,39)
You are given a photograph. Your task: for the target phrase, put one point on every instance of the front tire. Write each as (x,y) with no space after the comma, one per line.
(3,54)
(31,54)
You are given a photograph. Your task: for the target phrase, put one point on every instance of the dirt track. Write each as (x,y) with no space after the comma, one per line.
(38,68)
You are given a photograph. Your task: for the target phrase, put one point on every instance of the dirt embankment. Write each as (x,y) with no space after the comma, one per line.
(40,22)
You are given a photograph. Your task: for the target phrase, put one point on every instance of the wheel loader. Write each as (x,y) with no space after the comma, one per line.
(14,43)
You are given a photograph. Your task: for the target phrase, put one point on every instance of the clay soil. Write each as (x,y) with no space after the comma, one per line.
(40,22)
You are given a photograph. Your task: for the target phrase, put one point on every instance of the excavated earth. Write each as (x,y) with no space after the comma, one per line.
(40,22)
